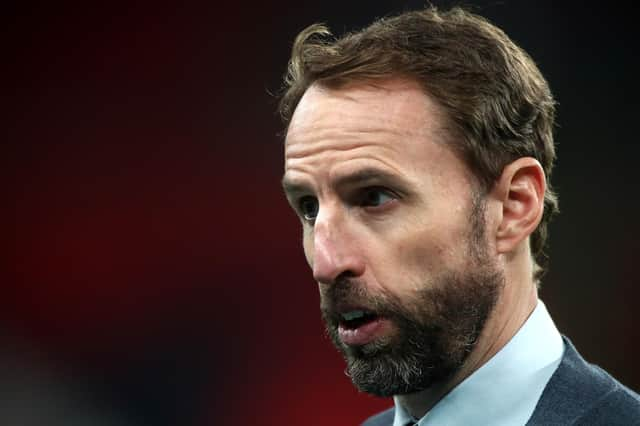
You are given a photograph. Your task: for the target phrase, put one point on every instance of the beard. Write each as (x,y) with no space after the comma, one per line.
(434,331)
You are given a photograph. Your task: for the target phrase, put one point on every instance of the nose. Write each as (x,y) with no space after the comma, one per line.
(335,251)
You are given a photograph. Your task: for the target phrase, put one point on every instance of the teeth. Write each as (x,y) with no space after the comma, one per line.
(353,315)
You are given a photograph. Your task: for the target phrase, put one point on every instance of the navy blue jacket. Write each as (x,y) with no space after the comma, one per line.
(578,393)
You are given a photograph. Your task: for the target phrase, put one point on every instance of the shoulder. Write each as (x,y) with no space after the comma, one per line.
(619,407)
(384,418)
(582,393)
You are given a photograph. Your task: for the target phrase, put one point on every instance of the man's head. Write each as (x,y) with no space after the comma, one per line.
(415,156)
(498,105)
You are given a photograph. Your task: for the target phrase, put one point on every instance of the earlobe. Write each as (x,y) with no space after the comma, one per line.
(521,188)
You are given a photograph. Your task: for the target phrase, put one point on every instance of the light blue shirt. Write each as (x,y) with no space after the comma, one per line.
(506,389)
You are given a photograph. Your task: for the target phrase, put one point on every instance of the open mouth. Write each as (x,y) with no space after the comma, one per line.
(352,320)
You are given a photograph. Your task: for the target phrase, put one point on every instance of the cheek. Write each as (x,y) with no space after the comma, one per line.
(419,259)
(429,252)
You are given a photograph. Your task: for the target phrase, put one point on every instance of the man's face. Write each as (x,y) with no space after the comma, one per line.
(393,231)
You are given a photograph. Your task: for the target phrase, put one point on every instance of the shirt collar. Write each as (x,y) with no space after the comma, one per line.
(506,389)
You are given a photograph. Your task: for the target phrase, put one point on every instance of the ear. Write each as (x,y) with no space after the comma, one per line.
(521,190)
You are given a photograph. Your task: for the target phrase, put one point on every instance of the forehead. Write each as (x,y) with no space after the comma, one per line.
(392,124)
(396,105)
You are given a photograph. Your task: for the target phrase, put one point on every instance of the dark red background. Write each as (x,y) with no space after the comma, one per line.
(154,274)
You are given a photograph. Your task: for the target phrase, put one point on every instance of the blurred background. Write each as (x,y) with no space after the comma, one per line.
(153,272)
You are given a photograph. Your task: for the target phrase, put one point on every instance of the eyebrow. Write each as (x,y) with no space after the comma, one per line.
(369,175)
(292,187)
(359,177)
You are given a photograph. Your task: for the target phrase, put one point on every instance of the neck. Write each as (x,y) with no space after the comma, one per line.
(514,306)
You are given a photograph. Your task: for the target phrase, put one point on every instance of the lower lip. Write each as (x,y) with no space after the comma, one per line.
(364,334)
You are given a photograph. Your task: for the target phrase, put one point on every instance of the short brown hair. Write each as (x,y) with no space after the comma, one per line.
(498,104)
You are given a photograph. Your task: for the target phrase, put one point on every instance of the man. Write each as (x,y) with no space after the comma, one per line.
(418,155)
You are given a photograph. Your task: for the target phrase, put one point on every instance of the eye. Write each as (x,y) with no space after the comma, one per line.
(308,207)
(374,197)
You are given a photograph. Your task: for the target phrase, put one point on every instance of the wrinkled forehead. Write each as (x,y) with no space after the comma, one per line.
(393,127)
(396,105)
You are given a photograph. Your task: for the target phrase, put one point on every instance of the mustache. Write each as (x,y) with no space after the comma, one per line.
(353,293)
